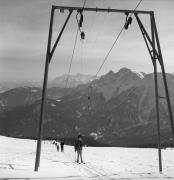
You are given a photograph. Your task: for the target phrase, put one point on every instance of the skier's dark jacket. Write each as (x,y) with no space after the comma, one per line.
(78,145)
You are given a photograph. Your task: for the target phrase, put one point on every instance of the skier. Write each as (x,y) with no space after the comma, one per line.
(57,145)
(78,147)
(62,145)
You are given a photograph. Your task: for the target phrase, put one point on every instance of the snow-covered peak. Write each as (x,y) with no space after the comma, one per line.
(140,74)
(127,72)
(73,80)
(124,70)
(110,73)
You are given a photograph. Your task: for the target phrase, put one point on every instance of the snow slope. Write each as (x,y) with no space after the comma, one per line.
(17,157)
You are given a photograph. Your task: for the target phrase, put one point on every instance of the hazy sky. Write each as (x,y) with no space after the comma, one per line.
(24,28)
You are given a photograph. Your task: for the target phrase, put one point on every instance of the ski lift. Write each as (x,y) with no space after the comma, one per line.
(81,19)
(62,10)
(89,97)
(80,22)
(128,21)
(82,34)
(90,93)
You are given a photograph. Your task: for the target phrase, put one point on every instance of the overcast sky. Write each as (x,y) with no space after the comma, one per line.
(24,28)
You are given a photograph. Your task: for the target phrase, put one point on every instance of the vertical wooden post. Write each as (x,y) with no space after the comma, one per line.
(157,115)
(164,75)
(40,131)
(154,58)
(153,55)
(49,55)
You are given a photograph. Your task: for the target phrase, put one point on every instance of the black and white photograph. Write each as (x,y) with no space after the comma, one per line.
(86,89)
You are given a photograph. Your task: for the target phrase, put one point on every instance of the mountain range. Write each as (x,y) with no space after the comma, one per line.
(117,109)
(60,81)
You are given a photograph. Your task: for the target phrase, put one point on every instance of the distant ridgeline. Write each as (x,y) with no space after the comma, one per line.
(118,109)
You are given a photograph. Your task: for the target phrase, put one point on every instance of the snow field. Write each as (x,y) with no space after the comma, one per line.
(17,158)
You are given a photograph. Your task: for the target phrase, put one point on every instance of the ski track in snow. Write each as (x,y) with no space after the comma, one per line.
(87,170)
(17,158)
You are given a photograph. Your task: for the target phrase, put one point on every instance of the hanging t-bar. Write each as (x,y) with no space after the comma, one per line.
(62,8)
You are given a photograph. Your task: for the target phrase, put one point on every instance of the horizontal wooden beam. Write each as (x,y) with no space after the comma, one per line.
(101,9)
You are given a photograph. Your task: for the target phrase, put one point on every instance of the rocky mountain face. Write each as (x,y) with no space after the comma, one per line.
(118,109)
(112,84)
(28,95)
(18,96)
